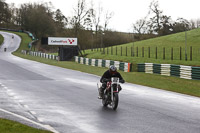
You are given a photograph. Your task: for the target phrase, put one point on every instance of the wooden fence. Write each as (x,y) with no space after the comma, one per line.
(192,53)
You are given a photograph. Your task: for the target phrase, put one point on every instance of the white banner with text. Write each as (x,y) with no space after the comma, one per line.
(62,41)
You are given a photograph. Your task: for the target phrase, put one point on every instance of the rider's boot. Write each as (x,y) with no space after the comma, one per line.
(100,93)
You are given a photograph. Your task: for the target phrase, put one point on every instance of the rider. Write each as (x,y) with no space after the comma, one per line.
(112,72)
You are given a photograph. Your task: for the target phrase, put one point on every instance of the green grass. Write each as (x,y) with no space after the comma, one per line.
(175,40)
(8,126)
(24,43)
(1,39)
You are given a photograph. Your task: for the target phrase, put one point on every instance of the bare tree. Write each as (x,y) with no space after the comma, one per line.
(155,22)
(81,12)
(193,24)
(140,26)
(96,16)
(108,16)
(60,19)
(198,23)
(166,25)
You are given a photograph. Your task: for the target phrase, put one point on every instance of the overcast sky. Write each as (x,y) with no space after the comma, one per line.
(126,12)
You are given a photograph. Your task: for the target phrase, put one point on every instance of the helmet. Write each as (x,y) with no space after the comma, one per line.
(113,69)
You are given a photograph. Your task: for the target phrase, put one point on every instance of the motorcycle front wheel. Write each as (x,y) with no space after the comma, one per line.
(115,101)
(104,100)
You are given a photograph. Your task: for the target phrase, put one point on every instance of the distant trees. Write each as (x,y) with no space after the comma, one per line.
(37,18)
(140,27)
(89,23)
(108,16)
(60,20)
(81,17)
(166,25)
(5,14)
(195,23)
(34,17)
(157,23)
(180,25)
(96,16)
(43,20)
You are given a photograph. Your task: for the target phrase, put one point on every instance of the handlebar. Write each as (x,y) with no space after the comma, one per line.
(108,80)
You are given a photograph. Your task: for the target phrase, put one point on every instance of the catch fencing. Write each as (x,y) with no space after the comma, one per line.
(14,30)
(22,31)
(185,72)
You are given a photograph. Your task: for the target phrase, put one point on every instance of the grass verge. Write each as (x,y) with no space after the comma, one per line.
(1,39)
(8,126)
(175,41)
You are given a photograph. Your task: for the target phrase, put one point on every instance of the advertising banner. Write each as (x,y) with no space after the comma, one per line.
(62,41)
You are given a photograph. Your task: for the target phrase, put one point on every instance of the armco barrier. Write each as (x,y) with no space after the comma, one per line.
(27,32)
(13,30)
(40,54)
(196,73)
(185,72)
(126,67)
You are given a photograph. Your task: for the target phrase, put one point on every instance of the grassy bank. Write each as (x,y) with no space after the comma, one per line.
(8,126)
(24,43)
(1,39)
(175,41)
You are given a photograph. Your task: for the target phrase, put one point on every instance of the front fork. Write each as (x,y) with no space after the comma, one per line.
(112,92)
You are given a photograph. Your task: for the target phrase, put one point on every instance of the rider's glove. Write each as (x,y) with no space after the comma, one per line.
(105,80)
(121,81)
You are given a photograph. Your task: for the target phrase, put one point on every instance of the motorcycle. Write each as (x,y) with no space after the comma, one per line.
(110,95)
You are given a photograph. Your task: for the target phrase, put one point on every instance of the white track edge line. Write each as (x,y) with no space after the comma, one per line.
(48,127)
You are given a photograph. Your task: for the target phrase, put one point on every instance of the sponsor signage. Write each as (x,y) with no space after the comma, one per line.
(62,41)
